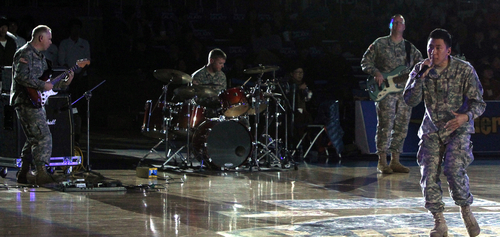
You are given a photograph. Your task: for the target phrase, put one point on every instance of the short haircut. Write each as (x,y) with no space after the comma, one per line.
(216,53)
(4,22)
(294,65)
(394,17)
(443,34)
(398,15)
(39,30)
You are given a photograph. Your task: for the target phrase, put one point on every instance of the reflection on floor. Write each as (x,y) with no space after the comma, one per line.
(348,199)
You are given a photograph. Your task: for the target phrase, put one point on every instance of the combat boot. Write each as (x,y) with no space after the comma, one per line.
(23,172)
(382,166)
(41,176)
(440,228)
(396,166)
(470,221)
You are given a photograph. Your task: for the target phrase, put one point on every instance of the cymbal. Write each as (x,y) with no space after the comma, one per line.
(204,91)
(189,92)
(261,69)
(171,75)
(184,92)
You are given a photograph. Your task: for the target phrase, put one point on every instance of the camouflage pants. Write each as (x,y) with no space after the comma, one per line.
(455,157)
(38,137)
(393,116)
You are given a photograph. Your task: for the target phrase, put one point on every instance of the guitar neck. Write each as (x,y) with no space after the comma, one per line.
(63,75)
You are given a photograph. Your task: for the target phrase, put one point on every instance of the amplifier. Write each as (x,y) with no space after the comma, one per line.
(59,118)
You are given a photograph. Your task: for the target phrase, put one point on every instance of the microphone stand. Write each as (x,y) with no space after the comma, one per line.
(88,95)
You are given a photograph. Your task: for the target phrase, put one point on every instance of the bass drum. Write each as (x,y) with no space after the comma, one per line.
(222,143)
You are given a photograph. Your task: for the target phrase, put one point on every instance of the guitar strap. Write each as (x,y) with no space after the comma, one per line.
(408,52)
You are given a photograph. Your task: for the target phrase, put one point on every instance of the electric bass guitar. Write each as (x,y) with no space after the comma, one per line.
(38,99)
(389,85)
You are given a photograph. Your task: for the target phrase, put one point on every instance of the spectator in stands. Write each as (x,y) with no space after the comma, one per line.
(236,76)
(267,46)
(7,44)
(493,39)
(476,49)
(492,15)
(495,64)
(458,30)
(175,58)
(491,86)
(13,26)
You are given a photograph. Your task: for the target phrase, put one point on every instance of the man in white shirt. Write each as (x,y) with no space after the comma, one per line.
(74,47)
(71,50)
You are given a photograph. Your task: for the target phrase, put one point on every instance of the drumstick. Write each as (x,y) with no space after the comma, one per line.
(247,81)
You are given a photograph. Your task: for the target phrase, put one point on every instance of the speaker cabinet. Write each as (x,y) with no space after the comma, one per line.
(59,118)
(10,128)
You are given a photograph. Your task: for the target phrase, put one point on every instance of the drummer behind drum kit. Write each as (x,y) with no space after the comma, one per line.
(226,140)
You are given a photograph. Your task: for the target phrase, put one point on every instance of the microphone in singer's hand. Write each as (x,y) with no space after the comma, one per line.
(422,71)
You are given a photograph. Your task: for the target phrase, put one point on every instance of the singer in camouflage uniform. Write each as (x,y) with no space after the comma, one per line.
(383,56)
(452,94)
(28,66)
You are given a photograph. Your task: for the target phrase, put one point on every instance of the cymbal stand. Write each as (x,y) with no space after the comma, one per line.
(269,140)
(291,109)
(188,146)
(256,105)
(266,134)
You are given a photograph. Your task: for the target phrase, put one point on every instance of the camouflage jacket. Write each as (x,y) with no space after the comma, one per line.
(202,76)
(384,55)
(26,74)
(456,89)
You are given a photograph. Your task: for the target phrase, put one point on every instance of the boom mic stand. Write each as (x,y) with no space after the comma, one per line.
(88,95)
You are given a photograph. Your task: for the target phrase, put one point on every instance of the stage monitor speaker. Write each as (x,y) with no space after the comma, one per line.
(59,118)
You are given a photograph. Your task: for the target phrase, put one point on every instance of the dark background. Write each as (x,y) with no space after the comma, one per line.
(327,37)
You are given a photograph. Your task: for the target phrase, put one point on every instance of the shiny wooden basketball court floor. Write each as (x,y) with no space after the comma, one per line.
(348,199)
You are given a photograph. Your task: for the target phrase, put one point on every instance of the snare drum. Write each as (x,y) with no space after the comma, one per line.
(234,102)
(180,121)
(222,143)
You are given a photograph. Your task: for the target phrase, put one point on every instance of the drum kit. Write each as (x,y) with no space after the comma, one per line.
(224,141)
